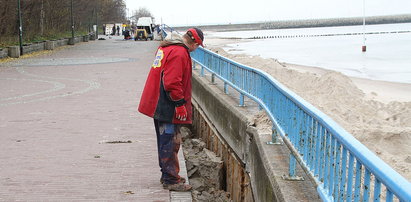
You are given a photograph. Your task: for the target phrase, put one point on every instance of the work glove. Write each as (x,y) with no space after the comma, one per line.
(181,113)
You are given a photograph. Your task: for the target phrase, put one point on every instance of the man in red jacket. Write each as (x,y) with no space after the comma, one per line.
(167,99)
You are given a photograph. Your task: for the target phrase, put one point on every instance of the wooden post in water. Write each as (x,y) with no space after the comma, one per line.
(364,47)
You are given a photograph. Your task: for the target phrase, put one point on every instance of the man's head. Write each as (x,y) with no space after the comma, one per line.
(194,37)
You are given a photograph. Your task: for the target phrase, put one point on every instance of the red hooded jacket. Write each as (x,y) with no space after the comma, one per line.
(168,85)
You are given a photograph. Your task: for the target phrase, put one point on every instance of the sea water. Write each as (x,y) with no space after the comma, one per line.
(387,58)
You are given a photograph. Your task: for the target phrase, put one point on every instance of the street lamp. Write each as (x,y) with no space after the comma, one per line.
(95,26)
(72,25)
(20,28)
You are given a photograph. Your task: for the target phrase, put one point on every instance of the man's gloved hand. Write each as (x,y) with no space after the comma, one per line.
(181,113)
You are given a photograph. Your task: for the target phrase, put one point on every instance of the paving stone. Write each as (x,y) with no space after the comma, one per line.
(56,111)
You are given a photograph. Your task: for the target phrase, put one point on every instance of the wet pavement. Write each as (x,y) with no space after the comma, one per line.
(69,126)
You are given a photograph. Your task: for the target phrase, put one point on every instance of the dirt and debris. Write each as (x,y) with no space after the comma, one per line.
(115,142)
(205,170)
(129,192)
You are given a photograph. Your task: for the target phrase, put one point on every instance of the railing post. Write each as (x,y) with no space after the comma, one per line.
(377,190)
(342,181)
(357,185)
(274,137)
(242,100)
(291,171)
(225,88)
(194,65)
(390,196)
(213,78)
(202,71)
(366,188)
(350,177)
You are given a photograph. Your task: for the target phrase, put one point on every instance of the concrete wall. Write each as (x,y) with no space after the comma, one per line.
(39,46)
(3,52)
(262,165)
(34,47)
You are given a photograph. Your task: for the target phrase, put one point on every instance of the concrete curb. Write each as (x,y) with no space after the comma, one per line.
(181,196)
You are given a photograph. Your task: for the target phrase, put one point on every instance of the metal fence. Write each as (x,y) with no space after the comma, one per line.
(164,30)
(342,168)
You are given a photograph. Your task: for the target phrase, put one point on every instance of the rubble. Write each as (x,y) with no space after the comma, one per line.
(205,170)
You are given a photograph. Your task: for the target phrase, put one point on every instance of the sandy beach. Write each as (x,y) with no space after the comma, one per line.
(377,113)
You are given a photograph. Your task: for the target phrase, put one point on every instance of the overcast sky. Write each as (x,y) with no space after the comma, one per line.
(197,12)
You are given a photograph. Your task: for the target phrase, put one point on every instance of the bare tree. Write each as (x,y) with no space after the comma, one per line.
(51,18)
(141,12)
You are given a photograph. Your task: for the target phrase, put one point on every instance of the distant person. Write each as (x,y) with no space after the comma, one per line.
(127,34)
(167,99)
(118,30)
(113,31)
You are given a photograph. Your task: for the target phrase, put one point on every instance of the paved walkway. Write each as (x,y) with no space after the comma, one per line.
(64,116)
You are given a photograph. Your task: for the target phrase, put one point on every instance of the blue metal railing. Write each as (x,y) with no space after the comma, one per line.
(342,168)
(164,30)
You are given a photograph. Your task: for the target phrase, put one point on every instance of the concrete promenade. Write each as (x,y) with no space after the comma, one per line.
(69,126)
